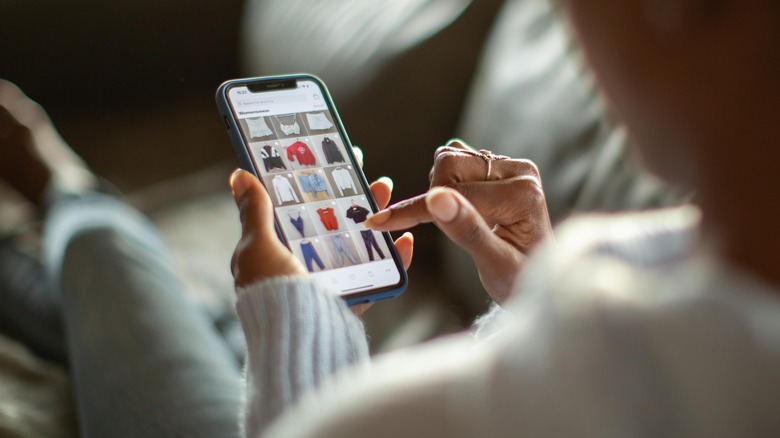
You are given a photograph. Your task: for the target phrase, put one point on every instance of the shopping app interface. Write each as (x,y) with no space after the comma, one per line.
(320,204)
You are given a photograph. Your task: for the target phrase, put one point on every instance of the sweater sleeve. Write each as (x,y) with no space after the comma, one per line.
(290,153)
(292,192)
(298,335)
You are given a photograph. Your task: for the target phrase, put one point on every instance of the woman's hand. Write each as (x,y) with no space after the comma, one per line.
(260,254)
(492,206)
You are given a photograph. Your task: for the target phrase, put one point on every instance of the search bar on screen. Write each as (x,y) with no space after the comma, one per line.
(269,101)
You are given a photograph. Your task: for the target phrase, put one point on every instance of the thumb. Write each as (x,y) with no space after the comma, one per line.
(254,206)
(259,253)
(496,260)
(459,220)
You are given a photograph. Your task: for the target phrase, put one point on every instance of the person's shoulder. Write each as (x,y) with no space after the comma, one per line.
(634,240)
(603,264)
(645,237)
(645,273)
(641,305)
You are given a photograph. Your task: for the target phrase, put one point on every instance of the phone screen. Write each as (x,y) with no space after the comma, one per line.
(304,159)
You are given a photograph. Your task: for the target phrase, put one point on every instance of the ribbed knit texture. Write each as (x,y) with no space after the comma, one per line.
(298,335)
(627,327)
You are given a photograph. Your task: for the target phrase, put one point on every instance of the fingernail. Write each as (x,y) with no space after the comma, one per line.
(378,219)
(442,205)
(239,183)
(387,181)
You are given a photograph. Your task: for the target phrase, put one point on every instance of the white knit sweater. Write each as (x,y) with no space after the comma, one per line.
(624,328)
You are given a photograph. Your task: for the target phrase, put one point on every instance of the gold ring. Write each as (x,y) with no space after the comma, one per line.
(489,157)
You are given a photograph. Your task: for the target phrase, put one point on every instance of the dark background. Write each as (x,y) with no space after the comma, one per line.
(129,84)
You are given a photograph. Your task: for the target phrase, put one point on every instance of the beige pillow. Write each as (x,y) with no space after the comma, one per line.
(398,70)
(344,41)
(532,98)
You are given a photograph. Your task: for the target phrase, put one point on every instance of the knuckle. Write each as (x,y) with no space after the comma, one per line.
(525,167)
(243,214)
(447,150)
(472,234)
(535,190)
(526,181)
(439,150)
(533,169)
(466,189)
(444,167)
(246,208)
(452,145)
(529,188)
(457,143)
(445,157)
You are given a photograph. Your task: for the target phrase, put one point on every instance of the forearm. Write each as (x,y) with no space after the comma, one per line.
(298,334)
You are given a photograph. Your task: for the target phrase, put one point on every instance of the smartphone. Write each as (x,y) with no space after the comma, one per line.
(286,131)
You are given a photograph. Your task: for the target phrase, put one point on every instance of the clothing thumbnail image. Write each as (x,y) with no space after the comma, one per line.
(298,152)
(332,148)
(297,222)
(314,185)
(373,241)
(344,180)
(283,189)
(257,128)
(326,217)
(267,157)
(289,125)
(319,122)
(356,210)
(312,253)
(343,250)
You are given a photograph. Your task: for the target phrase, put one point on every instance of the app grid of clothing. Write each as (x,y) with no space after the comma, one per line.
(258,128)
(328,218)
(299,151)
(292,129)
(341,249)
(310,256)
(318,121)
(271,159)
(344,180)
(297,222)
(331,151)
(284,190)
(313,183)
(370,241)
(357,213)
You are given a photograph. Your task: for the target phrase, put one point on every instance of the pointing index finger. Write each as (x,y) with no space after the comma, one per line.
(400,216)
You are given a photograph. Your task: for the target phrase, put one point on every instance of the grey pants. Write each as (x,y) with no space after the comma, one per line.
(341,249)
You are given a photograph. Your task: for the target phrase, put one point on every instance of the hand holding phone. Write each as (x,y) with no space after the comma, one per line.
(286,131)
(260,254)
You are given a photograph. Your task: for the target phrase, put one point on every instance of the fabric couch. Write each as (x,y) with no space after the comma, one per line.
(501,74)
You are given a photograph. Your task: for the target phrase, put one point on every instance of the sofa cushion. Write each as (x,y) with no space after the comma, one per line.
(532,98)
(399,71)
(346,42)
